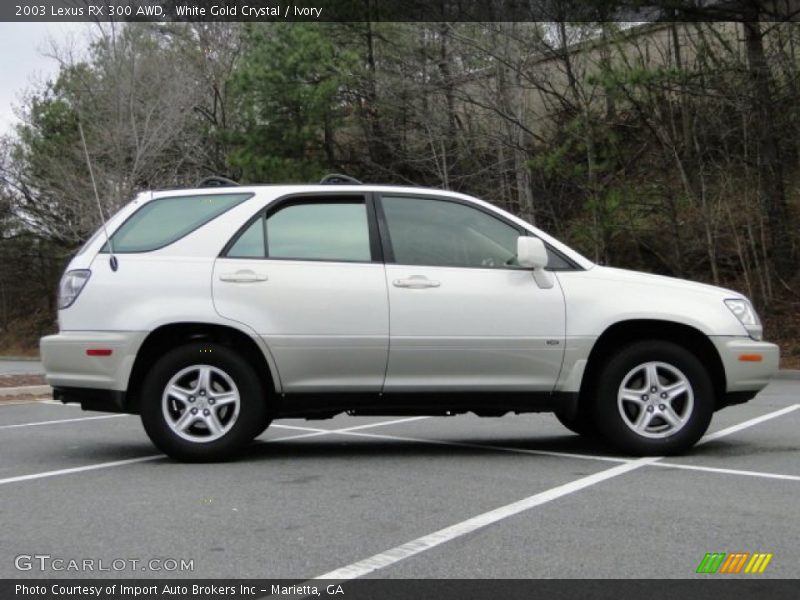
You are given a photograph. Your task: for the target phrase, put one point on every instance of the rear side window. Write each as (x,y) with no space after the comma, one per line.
(250,243)
(336,231)
(166,220)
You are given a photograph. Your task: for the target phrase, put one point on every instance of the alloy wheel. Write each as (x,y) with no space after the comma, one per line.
(201,403)
(655,399)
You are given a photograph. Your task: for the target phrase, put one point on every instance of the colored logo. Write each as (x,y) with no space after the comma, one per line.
(737,562)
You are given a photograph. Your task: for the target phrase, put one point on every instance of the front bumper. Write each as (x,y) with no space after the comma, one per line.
(749,365)
(67,364)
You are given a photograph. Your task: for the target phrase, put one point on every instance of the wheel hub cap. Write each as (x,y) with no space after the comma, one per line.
(201,403)
(655,400)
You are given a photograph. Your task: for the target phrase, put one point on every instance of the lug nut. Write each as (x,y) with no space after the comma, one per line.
(664,395)
(645,397)
(194,411)
(191,398)
(211,401)
(649,409)
(662,406)
(653,389)
(206,412)
(202,392)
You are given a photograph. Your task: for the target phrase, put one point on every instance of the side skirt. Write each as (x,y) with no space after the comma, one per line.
(484,404)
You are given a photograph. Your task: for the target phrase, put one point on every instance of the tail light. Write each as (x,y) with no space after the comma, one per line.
(71,285)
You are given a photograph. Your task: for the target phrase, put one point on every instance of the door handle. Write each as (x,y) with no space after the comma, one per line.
(416,282)
(243,276)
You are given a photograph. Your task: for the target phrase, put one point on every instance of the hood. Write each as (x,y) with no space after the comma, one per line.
(612,274)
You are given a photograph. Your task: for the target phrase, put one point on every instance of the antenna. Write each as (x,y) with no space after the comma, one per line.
(112,261)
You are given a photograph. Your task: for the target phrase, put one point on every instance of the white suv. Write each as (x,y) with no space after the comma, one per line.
(218,309)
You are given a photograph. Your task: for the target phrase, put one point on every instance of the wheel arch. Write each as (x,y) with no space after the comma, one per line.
(625,332)
(172,335)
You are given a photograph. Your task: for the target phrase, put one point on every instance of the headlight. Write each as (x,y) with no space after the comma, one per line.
(747,316)
(71,285)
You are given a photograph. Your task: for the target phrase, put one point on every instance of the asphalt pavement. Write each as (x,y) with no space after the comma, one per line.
(454,497)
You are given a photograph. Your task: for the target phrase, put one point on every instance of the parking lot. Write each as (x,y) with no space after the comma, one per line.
(457,497)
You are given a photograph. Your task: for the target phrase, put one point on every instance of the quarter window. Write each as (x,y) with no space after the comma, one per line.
(166,220)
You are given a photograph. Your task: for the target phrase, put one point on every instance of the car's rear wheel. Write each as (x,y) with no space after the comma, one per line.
(581,423)
(202,402)
(653,398)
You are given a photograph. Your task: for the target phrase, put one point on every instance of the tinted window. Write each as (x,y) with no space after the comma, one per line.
(165,220)
(556,262)
(449,234)
(319,231)
(250,243)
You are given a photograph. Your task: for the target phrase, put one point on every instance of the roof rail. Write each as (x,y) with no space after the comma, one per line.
(216,181)
(338,179)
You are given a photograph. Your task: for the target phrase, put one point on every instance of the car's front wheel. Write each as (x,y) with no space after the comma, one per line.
(202,402)
(653,398)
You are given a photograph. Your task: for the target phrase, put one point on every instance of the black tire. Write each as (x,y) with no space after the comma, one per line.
(264,426)
(251,420)
(582,423)
(694,407)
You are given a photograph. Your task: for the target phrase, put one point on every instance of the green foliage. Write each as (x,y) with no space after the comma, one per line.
(289,84)
(51,130)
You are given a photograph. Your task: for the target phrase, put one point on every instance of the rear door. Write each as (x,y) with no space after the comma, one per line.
(464,317)
(307,274)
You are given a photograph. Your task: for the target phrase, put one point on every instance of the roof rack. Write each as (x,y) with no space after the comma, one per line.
(216,181)
(339,179)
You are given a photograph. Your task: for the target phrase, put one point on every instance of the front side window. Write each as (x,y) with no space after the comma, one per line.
(320,230)
(166,220)
(447,234)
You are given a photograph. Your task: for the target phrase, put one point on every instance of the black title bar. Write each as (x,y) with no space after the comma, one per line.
(399,589)
(398,10)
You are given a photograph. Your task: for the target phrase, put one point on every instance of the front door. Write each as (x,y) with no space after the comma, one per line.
(463,316)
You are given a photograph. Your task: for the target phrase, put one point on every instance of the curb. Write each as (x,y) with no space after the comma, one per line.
(788,374)
(21,358)
(35,390)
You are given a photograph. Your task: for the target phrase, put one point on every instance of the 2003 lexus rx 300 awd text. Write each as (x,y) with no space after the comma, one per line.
(212,311)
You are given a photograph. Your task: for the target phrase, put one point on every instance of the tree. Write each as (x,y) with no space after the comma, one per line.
(289,87)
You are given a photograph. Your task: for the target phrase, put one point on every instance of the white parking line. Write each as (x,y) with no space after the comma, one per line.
(37,423)
(432,540)
(117,463)
(755,421)
(565,454)
(728,471)
(555,453)
(587,456)
(577,456)
(426,542)
(130,461)
(348,429)
(57,472)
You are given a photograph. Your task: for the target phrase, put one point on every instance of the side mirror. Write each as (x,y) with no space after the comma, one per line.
(532,253)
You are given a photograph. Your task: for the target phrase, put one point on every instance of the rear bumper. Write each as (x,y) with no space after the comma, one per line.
(67,364)
(749,365)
